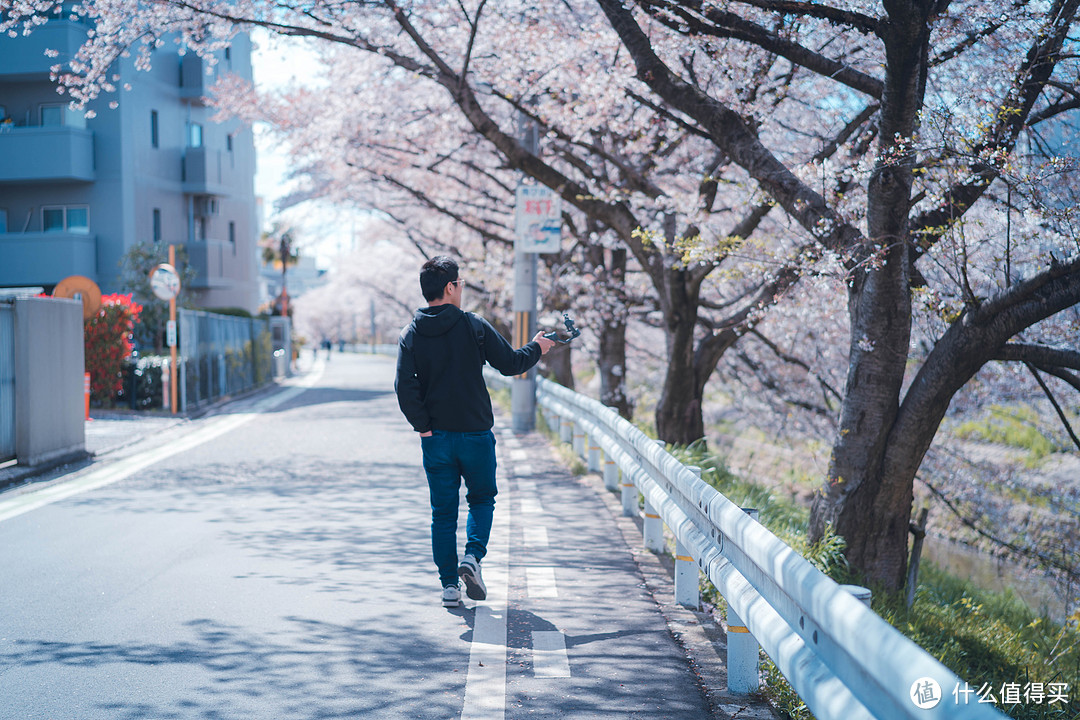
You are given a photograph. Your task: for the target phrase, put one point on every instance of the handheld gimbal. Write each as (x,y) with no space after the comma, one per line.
(574,332)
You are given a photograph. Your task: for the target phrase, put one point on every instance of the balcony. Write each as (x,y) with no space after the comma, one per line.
(23,57)
(193,79)
(37,154)
(203,173)
(207,257)
(46,258)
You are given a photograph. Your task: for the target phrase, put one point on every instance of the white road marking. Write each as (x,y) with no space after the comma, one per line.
(530,505)
(114,472)
(485,684)
(541,582)
(549,654)
(536,536)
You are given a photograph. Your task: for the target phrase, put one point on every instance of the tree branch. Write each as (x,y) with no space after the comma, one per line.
(714,22)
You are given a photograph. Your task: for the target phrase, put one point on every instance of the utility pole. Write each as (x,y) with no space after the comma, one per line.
(523,387)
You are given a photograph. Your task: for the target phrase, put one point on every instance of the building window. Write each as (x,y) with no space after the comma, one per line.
(70,218)
(59,115)
(153,128)
(195,138)
(157,225)
(200,228)
(232,236)
(3,220)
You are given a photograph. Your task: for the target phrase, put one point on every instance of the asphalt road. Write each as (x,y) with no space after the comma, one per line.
(273,561)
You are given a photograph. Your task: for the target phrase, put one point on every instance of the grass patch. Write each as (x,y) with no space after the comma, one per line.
(1015,426)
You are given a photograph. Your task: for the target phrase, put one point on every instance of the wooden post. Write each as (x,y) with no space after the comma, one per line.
(918,529)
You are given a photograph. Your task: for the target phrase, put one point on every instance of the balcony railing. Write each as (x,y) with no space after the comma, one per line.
(45,258)
(46,153)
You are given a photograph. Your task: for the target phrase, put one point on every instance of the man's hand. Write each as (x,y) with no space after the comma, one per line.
(426,434)
(543,342)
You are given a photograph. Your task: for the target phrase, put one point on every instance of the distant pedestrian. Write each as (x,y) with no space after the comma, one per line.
(440,389)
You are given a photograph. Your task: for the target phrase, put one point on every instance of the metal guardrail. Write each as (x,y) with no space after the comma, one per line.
(843,660)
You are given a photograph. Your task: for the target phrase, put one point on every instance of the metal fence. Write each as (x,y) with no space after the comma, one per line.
(221,355)
(7,381)
(843,660)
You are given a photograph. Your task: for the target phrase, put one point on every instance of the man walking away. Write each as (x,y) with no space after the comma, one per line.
(441,390)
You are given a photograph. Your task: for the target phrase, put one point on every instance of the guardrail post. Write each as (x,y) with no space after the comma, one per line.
(742,649)
(686,578)
(742,657)
(653,529)
(863,595)
(611,473)
(629,496)
(566,430)
(687,591)
(579,442)
(593,461)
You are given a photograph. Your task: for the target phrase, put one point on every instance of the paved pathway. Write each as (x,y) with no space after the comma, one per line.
(273,561)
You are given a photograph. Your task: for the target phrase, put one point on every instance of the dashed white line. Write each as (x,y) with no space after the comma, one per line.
(535,536)
(541,582)
(549,654)
(530,505)
(485,684)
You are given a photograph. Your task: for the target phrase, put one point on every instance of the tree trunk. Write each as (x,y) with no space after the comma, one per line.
(611,333)
(678,414)
(556,366)
(869,509)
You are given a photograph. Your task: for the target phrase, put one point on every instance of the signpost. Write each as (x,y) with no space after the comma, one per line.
(165,284)
(538,229)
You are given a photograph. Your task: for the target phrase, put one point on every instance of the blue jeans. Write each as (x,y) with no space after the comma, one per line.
(449,457)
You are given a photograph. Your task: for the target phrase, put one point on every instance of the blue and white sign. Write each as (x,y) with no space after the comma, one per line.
(537,219)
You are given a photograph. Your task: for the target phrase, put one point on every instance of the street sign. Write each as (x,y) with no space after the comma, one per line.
(537,219)
(170,334)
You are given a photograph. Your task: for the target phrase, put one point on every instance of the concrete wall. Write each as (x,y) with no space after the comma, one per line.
(49,409)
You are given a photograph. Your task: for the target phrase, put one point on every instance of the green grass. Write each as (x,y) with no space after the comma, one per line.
(1014,426)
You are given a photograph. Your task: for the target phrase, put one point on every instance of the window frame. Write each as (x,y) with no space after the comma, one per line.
(65,223)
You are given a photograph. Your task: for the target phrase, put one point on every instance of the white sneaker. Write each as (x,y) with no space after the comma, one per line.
(451,596)
(469,572)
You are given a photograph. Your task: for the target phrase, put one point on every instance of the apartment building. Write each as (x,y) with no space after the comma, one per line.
(76,193)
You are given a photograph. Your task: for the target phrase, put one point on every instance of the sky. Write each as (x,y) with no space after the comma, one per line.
(324,232)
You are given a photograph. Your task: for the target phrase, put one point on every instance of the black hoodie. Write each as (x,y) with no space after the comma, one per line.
(441,355)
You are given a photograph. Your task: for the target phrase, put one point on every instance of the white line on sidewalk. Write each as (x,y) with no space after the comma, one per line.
(549,654)
(541,582)
(485,684)
(114,472)
(530,505)
(535,536)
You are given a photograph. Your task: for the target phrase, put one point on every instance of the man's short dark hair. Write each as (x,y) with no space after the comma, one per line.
(435,274)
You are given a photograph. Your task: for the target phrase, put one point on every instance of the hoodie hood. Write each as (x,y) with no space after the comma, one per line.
(435,321)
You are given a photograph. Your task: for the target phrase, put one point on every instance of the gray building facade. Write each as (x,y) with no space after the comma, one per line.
(76,193)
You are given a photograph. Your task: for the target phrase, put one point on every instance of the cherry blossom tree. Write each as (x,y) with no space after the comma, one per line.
(899,212)
(673,129)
